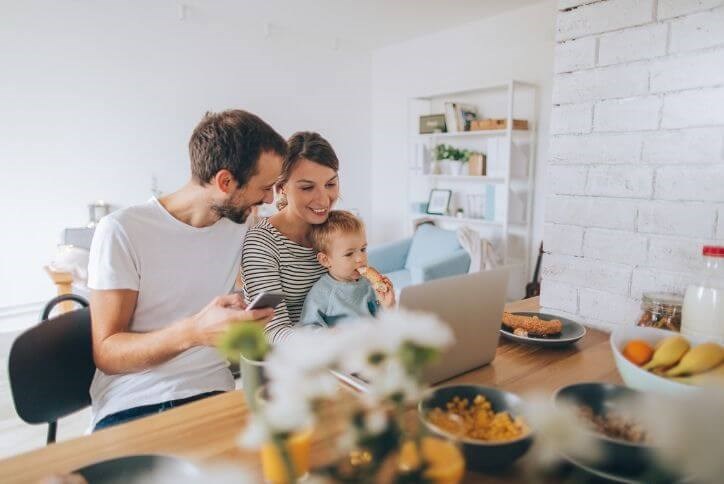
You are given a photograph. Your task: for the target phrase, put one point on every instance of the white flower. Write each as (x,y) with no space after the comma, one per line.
(254,435)
(389,379)
(423,329)
(376,421)
(288,414)
(558,430)
(688,432)
(305,350)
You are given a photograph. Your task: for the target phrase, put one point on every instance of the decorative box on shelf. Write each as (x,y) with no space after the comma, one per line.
(486,124)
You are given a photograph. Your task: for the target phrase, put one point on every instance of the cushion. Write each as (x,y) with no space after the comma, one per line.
(400,279)
(430,243)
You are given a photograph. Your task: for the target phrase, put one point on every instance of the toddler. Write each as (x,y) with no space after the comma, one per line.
(341,247)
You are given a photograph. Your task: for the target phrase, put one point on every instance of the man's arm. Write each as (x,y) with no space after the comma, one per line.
(116,350)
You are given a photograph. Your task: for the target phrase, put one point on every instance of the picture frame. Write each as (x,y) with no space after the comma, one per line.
(432,123)
(439,201)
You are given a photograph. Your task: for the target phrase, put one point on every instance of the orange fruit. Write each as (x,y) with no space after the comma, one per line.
(446,462)
(638,352)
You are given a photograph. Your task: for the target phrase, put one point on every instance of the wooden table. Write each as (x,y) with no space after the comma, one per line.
(205,431)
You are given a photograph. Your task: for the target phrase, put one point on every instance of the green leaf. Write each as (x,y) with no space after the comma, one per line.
(415,357)
(246,339)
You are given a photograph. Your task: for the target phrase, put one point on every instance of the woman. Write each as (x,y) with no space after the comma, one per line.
(277,255)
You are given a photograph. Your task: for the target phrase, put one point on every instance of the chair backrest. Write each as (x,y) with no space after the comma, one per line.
(51,366)
(429,243)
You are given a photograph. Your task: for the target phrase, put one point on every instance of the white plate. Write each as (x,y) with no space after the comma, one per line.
(571,332)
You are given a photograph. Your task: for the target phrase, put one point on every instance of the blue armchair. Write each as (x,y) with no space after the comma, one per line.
(431,253)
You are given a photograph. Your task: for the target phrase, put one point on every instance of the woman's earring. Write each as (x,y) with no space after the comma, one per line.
(281,201)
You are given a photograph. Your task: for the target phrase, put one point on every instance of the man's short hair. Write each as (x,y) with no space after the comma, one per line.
(231,140)
(339,221)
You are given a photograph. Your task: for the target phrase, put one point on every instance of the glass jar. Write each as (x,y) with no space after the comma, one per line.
(704,301)
(661,310)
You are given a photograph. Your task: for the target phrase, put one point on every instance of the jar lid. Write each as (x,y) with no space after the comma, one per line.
(713,251)
(663,298)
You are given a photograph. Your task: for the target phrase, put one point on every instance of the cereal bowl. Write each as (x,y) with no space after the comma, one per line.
(625,456)
(479,454)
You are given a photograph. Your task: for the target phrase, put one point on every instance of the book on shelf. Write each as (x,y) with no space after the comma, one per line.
(458,116)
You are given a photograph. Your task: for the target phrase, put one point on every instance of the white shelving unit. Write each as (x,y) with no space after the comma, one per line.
(512,177)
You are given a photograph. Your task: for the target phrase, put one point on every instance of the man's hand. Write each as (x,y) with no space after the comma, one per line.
(207,326)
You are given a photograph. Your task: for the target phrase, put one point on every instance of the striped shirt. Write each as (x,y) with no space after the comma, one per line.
(271,262)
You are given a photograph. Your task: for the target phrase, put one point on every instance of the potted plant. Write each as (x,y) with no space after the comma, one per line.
(452,159)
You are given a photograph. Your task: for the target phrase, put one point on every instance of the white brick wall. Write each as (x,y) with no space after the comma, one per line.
(632,44)
(603,17)
(699,145)
(614,246)
(563,297)
(674,253)
(596,148)
(604,83)
(614,308)
(633,114)
(575,54)
(567,180)
(686,109)
(563,239)
(636,167)
(690,183)
(697,31)
(693,219)
(674,8)
(646,279)
(583,272)
(572,118)
(591,212)
(620,181)
(688,71)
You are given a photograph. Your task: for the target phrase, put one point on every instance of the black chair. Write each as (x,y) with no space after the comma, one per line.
(51,366)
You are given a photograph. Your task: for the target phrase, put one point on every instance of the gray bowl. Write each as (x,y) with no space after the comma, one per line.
(140,469)
(620,457)
(479,455)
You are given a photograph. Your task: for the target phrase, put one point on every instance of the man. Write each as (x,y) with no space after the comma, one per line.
(161,274)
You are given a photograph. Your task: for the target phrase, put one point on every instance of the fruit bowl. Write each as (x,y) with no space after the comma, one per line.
(635,376)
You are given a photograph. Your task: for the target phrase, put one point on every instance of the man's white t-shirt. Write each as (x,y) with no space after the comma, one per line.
(177,270)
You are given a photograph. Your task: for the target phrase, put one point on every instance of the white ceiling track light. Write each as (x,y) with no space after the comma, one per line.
(182,11)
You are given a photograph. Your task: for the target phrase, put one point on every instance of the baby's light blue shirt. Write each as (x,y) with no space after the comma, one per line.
(329,301)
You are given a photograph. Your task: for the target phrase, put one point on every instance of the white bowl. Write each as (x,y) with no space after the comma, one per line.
(638,378)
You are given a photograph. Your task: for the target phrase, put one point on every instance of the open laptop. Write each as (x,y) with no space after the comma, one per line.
(472,305)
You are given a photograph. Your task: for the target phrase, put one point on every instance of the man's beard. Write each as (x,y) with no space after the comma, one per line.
(227,210)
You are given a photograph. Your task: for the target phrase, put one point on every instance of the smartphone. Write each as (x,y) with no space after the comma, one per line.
(266,300)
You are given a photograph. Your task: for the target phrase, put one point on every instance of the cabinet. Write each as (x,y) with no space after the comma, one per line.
(498,204)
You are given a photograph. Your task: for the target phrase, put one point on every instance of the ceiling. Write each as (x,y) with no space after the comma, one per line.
(368,24)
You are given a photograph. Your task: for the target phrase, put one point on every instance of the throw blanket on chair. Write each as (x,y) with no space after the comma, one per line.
(481,251)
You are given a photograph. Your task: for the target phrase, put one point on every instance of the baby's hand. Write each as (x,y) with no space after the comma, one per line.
(386,298)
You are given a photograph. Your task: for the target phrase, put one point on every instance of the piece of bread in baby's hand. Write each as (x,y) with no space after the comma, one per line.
(375,278)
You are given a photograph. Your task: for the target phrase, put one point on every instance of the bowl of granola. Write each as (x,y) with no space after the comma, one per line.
(609,412)
(487,423)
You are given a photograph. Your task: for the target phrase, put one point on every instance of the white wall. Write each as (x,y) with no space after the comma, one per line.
(638,153)
(96,97)
(518,44)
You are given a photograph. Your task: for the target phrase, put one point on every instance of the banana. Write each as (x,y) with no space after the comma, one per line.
(668,352)
(699,359)
(711,378)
